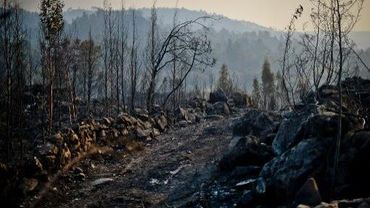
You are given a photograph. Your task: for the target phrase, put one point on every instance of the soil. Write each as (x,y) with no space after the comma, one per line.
(169,171)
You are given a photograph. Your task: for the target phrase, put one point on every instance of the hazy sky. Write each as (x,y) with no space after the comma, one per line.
(270,13)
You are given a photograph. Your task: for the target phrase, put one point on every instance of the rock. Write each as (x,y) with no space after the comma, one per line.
(143,116)
(243,171)
(303,206)
(217,96)
(214,117)
(47,149)
(182,114)
(127,120)
(354,165)
(326,205)
(183,124)
(308,194)
(124,132)
(80,177)
(33,167)
(155,132)
(247,199)
(240,99)
(161,123)
(49,161)
(103,134)
(219,108)
(254,123)
(197,102)
(78,170)
(246,151)
(29,184)
(358,203)
(65,155)
(101,181)
(289,129)
(286,173)
(142,134)
(57,138)
(107,121)
(261,186)
(313,122)
(73,140)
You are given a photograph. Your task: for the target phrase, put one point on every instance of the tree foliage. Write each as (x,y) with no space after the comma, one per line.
(224,80)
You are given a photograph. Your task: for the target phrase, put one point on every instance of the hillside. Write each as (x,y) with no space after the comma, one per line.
(242,45)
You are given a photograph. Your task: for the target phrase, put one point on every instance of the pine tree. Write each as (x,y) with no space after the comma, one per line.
(256,93)
(224,80)
(268,84)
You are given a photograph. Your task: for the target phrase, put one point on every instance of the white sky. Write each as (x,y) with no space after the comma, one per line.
(270,13)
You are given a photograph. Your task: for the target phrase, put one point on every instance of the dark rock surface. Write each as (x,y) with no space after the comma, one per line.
(217,96)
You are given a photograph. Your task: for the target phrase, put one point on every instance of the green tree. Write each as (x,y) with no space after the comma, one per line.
(268,84)
(256,93)
(224,81)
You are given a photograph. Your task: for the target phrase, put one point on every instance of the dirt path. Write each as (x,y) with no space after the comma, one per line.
(168,172)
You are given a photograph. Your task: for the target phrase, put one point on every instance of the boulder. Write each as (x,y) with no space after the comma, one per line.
(47,149)
(217,96)
(240,99)
(354,166)
(182,114)
(143,116)
(142,134)
(161,123)
(289,129)
(308,194)
(197,102)
(315,121)
(73,140)
(255,123)
(285,174)
(246,151)
(29,185)
(218,108)
(183,123)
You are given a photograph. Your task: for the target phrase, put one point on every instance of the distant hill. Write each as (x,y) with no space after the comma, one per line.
(165,16)
(241,45)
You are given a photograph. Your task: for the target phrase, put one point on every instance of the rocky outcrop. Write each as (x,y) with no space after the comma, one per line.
(287,172)
(294,155)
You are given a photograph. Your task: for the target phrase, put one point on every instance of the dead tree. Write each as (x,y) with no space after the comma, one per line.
(153,50)
(347,15)
(123,45)
(90,53)
(51,26)
(286,65)
(194,52)
(180,47)
(133,65)
(12,76)
(108,54)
